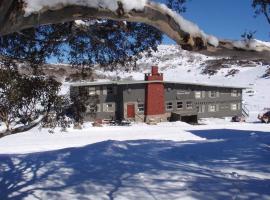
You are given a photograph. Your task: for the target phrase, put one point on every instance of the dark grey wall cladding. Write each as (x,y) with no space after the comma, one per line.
(174,92)
(133,92)
(186,93)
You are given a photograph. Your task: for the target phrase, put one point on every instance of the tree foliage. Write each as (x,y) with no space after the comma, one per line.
(24,98)
(262,7)
(86,43)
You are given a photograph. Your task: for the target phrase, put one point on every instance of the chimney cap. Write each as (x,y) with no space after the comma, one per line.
(154,70)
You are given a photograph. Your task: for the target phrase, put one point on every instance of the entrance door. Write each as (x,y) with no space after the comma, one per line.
(130,111)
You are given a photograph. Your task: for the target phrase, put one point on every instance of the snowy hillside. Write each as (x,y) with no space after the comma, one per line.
(183,66)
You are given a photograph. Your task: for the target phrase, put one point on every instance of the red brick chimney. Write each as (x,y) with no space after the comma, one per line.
(154,98)
(154,76)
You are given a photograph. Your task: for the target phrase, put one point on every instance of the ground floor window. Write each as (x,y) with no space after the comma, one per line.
(201,108)
(93,108)
(235,106)
(140,107)
(212,108)
(189,105)
(169,106)
(109,107)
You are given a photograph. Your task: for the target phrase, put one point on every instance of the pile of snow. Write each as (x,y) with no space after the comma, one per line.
(252,45)
(36,6)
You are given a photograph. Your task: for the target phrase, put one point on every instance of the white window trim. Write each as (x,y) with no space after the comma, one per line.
(216,94)
(105,107)
(177,105)
(167,102)
(201,109)
(210,110)
(196,94)
(189,108)
(89,108)
(234,93)
(234,106)
(139,111)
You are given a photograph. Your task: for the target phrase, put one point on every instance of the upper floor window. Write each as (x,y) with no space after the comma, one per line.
(213,94)
(181,92)
(169,106)
(179,105)
(198,94)
(92,91)
(140,107)
(234,93)
(189,105)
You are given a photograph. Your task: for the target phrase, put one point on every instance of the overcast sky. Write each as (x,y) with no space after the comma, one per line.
(226,18)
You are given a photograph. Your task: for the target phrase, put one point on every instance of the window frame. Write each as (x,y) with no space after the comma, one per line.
(140,107)
(188,103)
(210,106)
(106,107)
(234,107)
(166,105)
(198,92)
(234,93)
(182,103)
(213,92)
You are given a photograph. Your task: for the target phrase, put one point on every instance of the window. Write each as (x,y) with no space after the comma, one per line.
(234,93)
(198,95)
(213,94)
(92,91)
(179,105)
(109,107)
(233,106)
(92,108)
(189,105)
(212,108)
(181,92)
(169,106)
(140,107)
(201,108)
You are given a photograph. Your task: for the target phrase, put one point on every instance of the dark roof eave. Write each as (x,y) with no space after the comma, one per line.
(157,81)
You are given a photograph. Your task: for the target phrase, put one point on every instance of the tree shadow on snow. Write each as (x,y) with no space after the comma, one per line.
(228,165)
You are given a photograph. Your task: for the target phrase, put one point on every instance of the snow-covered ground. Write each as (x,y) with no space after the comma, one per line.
(218,160)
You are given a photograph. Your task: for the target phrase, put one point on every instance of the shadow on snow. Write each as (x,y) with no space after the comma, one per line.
(230,164)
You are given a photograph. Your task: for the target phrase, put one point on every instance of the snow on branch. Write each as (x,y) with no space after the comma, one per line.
(36,6)
(252,45)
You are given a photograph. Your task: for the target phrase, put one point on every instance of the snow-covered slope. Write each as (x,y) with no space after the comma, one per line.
(183,66)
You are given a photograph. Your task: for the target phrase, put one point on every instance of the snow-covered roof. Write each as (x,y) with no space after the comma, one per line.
(131,82)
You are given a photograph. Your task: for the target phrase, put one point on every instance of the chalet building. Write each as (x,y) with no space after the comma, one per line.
(157,100)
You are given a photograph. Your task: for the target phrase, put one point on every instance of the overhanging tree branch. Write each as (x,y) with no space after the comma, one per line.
(13,19)
(152,14)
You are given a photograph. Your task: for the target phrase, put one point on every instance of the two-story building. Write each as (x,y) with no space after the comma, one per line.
(156,99)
